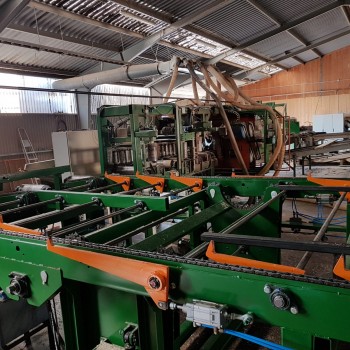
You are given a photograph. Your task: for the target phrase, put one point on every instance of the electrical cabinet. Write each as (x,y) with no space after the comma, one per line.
(330,123)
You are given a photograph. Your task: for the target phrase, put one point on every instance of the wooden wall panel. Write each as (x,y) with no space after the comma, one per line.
(329,74)
(303,109)
(321,86)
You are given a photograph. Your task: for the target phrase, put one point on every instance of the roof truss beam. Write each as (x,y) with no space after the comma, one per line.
(39,71)
(190,27)
(66,14)
(50,49)
(294,53)
(135,50)
(10,10)
(282,28)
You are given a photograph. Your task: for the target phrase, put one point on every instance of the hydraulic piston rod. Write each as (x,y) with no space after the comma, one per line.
(63,232)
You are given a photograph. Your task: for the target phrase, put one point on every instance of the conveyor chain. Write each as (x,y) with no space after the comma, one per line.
(178,259)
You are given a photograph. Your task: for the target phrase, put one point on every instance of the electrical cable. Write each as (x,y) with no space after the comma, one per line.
(262,342)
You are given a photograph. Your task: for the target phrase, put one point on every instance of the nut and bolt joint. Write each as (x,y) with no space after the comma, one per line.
(267,289)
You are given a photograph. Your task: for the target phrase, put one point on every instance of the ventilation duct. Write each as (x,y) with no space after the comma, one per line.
(112,76)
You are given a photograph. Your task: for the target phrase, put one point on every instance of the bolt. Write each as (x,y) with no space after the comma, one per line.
(279,301)
(267,289)
(247,320)
(3,296)
(12,289)
(154,282)
(162,305)
(294,310)
(44,276)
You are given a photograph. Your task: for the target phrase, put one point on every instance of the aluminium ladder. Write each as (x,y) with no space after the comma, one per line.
(30,155)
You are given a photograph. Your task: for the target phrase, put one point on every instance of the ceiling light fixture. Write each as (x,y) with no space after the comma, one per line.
(136,17)
(244,57)
(204,43)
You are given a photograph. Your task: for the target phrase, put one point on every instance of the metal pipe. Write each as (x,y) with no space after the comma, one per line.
(251,214)
(174,192)
(16,201)
(140,189)
(76,187)
(98,189)
(96,220)
(276,242)
(112,76)
(145,227)
(198,251)
(306,257)
(52,214)
(30,206)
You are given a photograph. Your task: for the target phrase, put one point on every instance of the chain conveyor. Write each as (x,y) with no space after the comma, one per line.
(130,254)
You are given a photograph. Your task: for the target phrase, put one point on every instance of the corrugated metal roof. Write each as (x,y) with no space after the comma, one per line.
(287,11)
(289,62)
(177,8)
(23,56)
(237,22)
(276,45)
(109,12)
(55,43)
(52,23)
(323,25)
(334,45)
(307,56)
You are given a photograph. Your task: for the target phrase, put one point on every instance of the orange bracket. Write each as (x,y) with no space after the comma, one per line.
(234,260)
(14,228)
(339,269)
(119,179)
(153,277)
(331,182)
(189,181)
(152,180)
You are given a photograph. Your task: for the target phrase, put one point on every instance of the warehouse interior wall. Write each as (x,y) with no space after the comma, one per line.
(321,86)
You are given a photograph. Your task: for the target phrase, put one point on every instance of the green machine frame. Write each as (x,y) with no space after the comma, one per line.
(105,304)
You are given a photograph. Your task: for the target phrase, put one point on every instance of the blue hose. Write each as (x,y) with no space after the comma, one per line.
(267,344)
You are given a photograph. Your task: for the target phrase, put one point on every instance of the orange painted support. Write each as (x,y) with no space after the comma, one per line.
(330,182)
(189,181)
(14,228)
(152,180)
(234,260)
(339,269)
(119,179)
(153,277)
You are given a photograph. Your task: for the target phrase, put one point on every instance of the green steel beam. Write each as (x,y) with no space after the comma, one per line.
(113,201)
(320,306)
(179,230)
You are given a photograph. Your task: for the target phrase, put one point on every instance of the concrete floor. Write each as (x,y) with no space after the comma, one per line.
(320,265)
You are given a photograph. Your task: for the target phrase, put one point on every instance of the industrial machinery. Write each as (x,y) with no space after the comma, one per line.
(141,262)
(190,139)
